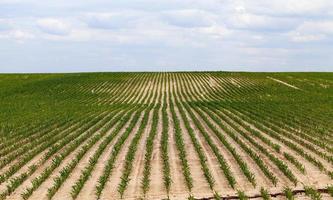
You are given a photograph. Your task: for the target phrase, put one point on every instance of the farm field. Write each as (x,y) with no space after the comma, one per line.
(185,135)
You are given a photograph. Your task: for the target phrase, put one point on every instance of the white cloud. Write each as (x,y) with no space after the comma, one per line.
(310,31)
(21,35)
(283,8)
(218,32)
(5,25)
(189,18)
(325,27)
(298,37)
(54,26)
(302,7)
(191,27)
(113,20)
(17,35)
(254,22)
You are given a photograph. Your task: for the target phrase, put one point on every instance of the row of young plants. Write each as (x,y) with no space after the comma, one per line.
(254,156)
(294,161)
(253,131)
(302,119)
(164,146)
(150,88)
(52,145)
(288,156)
(134,91)
(11,138)
(265,194)
(223,91)
(134,88)
(101,90)
(67,147)
(288,192)
(122,90)
(7,131)
(198,148)
(25,139)
(156,99)
(309,191)
(21,151)
(24,149)
(277,134)
(131,152)
(96,89)
(86,172)
(108,168)
(8,146)
(205,83)
(243,166)
(159,83)
(301,168)
(110,163)
(297,164)
(149,98)
(137,90)
(218,93)
(212,92)
(286,117)
(180,145)
(15,182)
(15,102)
(304,134)
(276,129)
(204,87)
(195,84)
(146,93)
(223,164)
(289,120)
(193,96)
(28,155)
(259,135)
(66,171)
(145,183)
(312,193)
(279,163)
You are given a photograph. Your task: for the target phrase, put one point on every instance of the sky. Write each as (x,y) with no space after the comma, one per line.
(165,35)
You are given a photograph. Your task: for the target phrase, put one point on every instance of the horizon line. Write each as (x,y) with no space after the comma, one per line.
(163,71)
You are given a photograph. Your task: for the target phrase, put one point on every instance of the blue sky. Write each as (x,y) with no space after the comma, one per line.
(156,35)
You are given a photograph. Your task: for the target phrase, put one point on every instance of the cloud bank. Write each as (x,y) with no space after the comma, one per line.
(100,35)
